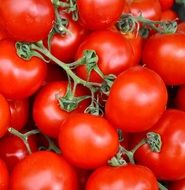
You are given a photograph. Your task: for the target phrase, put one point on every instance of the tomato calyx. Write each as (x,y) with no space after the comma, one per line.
(152,139)
(129,23)
(24,136)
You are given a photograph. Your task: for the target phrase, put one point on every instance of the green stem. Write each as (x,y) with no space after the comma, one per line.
(162,187)
(65,67)
(24,137)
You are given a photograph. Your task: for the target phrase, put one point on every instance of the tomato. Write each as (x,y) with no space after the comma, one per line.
(19,113)
(124,177)
(87,141)
(4,115)
(4,178)
(138,88)
(177,185)
(3,34)
(168,58)
(179,98)
(99,14)
(169,15)
(47,113)
(168,164)
(43,170)
(166,4)
(150,9)
(64,46)
(13,150)
(29,20)
(114,52)
(181,27)
(19,78)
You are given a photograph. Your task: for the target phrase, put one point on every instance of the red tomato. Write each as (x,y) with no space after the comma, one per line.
(99,14)
(47,113)
(19,113)
(19,78)
(43,170)
(29,20)
(64,46)
(177,185)
(150,9)
(114,52)
(179,99)
(169,15)
(166,4)
(168,164)
(3,34)
(4,115)
(181,27)
(4,178)
(88,141)
(168,58)
(123,177)
(13,150)
(137,99)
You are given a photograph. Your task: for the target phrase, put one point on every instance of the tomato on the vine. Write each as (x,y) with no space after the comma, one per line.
(166,4)
(95,14)
(29,20)
(88,141)
(137,99)
(43,170)
(168,164)
(19,78)
(123,177)
(4,176)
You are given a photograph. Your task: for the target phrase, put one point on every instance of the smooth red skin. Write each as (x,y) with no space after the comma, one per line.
(113,50)
(19,113)
(95,14)
(29,20)
(169,163)
(47,113)
(181,28)
(165,55)
(169,15)
(4,178)
(4,115)
(65,46)
(13,150)
(150,9)
(43,170)
(137,99)
(179,98)
(88,141)
(133,177)
(19,78)
(177,185)
(3,34)
(166,4)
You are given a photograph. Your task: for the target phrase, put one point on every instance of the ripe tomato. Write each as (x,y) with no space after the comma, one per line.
(114,52)
(64,46)
(169,15)
(168,164)
(150,9)
(124,177)
(177,185)
(99,14)
(181,27)
(168,58)
(4,178)
(29,20)
(47,113)
(19,78)
(137,99)
(88,141)
(166,4)
(179,98)
(4,115)
(43,170)
(13,150)
(3,34)
(19,113)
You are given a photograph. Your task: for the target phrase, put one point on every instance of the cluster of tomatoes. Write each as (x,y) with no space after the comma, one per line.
(92,95)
